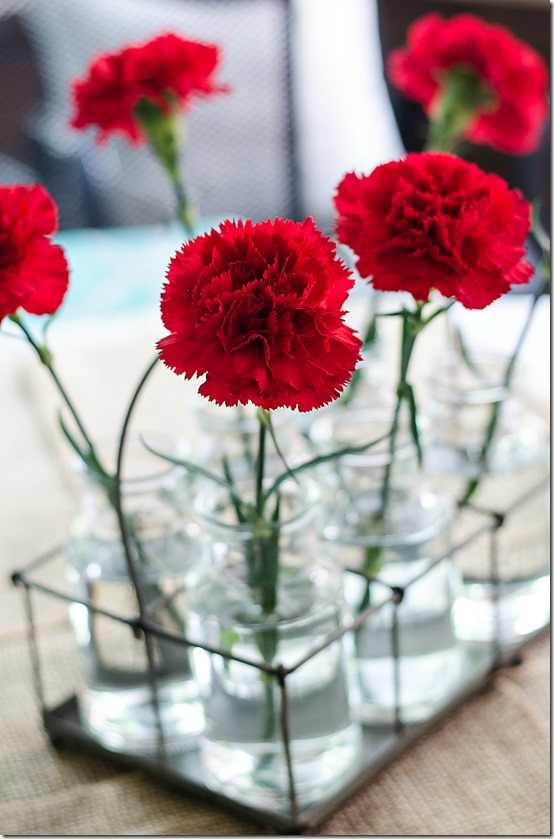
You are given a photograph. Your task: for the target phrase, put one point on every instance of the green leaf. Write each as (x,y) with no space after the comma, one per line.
(228,639)
(469,490)
(87,456)
(236,503)
(398,314)
(436,313)
(277,511)
(371,333)
(323,458)
(465,354)
(372,560)
(70,438)
(265,417)
(190,466)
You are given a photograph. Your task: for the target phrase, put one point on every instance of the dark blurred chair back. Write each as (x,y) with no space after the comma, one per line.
(528,20)
(240,153)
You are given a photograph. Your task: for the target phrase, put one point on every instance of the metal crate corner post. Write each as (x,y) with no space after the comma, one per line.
(502,652)
(20,580)
(497,521)
(397,596)
(281,676)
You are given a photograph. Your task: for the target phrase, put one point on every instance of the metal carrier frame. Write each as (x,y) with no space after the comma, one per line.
(381,744)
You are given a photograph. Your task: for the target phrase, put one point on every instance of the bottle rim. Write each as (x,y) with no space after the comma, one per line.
(148,480)
(323,430)
(215,494)
(485,390)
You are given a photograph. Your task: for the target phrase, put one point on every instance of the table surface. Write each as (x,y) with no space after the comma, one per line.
(482,771)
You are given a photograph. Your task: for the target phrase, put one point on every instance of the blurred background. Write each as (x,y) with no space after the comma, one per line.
(309,102)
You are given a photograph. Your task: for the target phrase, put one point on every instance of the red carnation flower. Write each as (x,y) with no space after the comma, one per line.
(33,272)
(168,71)
(257,309)
(513,72)
(435,221)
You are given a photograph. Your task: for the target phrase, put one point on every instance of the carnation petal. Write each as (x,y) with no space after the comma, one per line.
(33,273)
(47,277)
(513,71)
(106,97)
(434,221)
(258,315)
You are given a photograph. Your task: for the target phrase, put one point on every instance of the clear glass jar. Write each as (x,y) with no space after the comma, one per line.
(506,602)
(235,608)
(392,540)
(115,699)
(461,400)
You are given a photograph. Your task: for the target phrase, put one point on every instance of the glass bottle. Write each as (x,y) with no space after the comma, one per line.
(271,614)
(486,435)
(392,538)
(115,698)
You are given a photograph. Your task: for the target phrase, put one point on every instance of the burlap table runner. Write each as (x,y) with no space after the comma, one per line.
(483,771)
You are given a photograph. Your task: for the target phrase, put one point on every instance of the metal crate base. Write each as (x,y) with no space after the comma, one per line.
(381,745)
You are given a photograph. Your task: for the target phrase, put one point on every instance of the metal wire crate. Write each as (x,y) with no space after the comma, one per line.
(44,578)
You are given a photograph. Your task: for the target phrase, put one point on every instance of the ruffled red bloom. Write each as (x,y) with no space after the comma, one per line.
(168,70)
(33,272)
(514,73)
(435,221)
(257,309)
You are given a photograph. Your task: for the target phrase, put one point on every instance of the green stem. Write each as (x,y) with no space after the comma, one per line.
(112,484)
(184,206)
(266,544)
(90,459)
(163,131)
(265,417)
(371,566)
(462,95)
(411,325)
(266,549)
(125,531)
(129,538)
(126,536)
(260,468)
